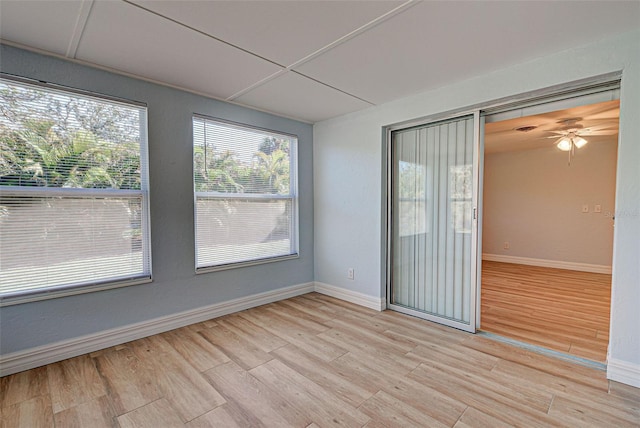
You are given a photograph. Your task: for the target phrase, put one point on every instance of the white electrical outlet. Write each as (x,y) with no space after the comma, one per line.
(506,245)
(350,273)
(597,208)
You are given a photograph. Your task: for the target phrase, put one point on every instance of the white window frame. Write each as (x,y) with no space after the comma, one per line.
(25,296)
(292,196)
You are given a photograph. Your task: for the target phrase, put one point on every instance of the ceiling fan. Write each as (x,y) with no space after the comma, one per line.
(570,134)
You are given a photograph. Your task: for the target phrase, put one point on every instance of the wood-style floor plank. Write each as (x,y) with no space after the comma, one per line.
(260,405)
(589,414)
(559,368)
(626,392)
(493,403)
(130,382)
(294,334)
(515,393)
(194,348)
(382,360)
(74,381)
(97,413)
(471,360)
(322,373)
(314,361)
(258,336)
(34,412)
(318,403)
(563,310)
(178,382)
(239,349)
(362,371)
(156,414)
(390,411)
(220,417)
(431,402)
(23,386)
(476,419)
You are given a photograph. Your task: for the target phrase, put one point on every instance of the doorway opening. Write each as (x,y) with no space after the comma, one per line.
(547,228)
(553,154)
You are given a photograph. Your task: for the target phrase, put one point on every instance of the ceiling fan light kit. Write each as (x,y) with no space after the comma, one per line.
(569,141)
(564,144)
(579,141)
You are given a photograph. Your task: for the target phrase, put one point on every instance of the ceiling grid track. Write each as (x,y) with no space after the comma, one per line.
(139,77)
(327,48)
(308,61)
(175,21)
(290,68)
(81,22)
(354,33)
(257,84)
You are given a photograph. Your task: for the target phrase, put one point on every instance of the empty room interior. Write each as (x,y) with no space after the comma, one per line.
(319,213)
(548,228)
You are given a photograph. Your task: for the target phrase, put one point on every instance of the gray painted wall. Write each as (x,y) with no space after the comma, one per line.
(175,286)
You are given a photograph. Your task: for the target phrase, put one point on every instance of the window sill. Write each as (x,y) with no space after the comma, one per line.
(55,294)
(201,270)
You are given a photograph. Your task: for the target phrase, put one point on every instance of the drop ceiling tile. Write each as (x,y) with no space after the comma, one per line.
(436,43)
(296,96)
(46,25)
(127,38)
(283,31)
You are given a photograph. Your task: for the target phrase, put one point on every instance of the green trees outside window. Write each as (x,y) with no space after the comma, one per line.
(49,139)
(245,194)
(73,191)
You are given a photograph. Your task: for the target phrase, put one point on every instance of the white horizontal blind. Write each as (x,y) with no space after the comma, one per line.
(73,190)
(245,194)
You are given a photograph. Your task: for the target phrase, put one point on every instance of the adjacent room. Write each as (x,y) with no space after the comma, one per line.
(548,227)
(310,213)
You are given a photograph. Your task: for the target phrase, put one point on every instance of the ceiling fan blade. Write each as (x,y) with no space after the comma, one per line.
(602,127)
(603,132)
(581,125)
(603,108)
(607,115)
(601,122)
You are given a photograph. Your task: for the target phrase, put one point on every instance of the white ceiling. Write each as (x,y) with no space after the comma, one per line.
(310,60)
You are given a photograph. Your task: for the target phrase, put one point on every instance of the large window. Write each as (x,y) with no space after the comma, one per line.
(73,192)
(245,194)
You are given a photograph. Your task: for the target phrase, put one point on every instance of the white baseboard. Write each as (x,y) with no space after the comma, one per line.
(379,304)
(58,351)
(583,267)
(51,353)
(623,372)
(619,371)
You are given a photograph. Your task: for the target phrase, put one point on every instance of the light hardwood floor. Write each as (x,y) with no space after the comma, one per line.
(563,310)
(314,361)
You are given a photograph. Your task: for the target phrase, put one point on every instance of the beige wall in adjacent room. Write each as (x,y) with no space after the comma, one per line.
(533,199)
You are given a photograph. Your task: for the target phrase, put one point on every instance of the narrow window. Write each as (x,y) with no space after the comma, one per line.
(73,192)
(245,194)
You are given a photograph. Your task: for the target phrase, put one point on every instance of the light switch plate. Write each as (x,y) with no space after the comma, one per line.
(585,208)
